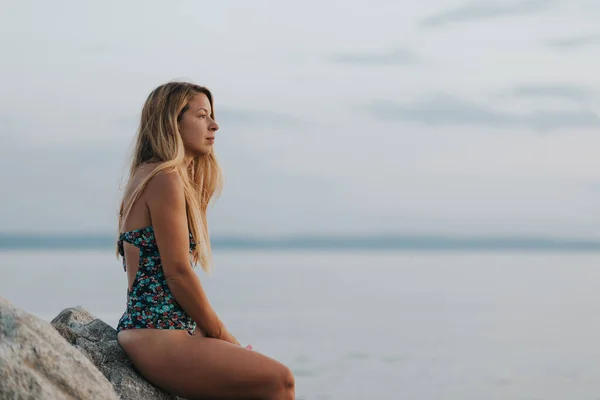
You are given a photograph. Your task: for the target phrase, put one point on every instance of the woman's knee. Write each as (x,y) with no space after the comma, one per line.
(287,379)
(282,386)
(285,384)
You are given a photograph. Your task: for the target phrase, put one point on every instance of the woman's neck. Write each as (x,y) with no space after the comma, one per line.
(188,162)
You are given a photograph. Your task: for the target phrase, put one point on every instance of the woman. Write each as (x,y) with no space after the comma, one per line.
(169,330)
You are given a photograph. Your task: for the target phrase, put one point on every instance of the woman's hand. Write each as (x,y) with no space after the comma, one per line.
(228,337)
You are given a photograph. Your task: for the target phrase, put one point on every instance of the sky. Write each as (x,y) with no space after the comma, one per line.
(433,117)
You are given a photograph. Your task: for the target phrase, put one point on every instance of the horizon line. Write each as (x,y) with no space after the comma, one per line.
(380,241)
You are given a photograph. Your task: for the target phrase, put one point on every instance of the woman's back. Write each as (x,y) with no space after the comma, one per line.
(150,302)
(138,217)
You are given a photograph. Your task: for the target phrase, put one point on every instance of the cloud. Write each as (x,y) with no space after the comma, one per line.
(564,91)
(478,10)
(575,42)
(392,57)
(446,110)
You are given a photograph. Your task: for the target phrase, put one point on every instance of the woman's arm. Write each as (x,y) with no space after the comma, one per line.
(166,203)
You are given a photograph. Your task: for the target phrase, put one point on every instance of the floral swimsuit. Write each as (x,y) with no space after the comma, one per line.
(150,302)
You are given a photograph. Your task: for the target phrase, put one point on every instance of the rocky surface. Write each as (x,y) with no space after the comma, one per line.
(98,341)
(36,362)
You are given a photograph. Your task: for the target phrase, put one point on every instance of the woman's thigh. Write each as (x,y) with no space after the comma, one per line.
(201,367)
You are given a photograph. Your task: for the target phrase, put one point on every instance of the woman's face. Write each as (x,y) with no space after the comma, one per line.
(197,128)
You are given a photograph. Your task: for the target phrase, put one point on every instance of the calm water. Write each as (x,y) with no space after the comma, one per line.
(363,325)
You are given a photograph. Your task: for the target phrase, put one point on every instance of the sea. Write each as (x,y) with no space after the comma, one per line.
(370,323)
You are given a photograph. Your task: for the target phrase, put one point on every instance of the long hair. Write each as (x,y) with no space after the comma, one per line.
(158,140)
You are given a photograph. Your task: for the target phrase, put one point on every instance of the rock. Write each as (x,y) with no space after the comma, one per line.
(98,341)
(37,363)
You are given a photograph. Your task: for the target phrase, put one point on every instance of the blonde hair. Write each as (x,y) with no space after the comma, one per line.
(158,140)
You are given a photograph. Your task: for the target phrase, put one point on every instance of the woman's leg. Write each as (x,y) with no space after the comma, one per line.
(196,367)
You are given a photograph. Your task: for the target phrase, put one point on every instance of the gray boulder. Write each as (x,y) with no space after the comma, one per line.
(37,363)
(98,341)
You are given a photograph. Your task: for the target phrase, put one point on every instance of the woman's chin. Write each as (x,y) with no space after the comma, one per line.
(203,152)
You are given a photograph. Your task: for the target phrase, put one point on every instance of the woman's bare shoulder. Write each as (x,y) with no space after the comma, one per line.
(167,182)
(165,186)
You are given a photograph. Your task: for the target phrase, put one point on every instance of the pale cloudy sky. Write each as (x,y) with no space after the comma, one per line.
(437,116)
